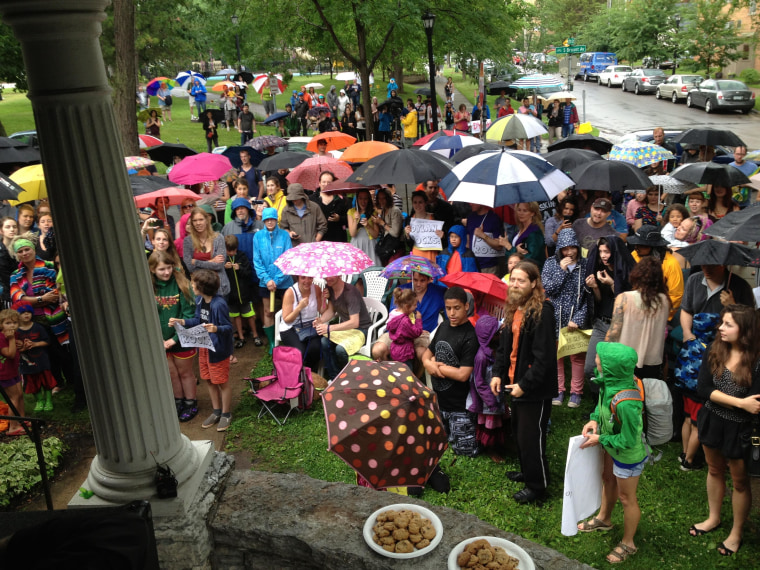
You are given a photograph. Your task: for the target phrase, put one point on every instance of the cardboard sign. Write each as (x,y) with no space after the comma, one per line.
(423,232)
(480,247)
(195,337)
(573,342)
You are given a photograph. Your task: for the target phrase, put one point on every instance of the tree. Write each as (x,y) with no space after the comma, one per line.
(707,34)
(11,61)
(125,75)
(567,18)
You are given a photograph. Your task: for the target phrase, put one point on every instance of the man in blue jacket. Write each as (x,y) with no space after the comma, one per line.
(198,92)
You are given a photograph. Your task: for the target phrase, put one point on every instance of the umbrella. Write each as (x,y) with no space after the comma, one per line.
(568,158)
(154,85)
(516,126)
(346,76)
(670,185)
(200,167)
(534,81)
(496,87)
(405,166)
(714,252)
(273,118)
(315,85)
(480,282)
(233,153)
(7,142)
(147,141)
(343,187)
(167,151)
(308,172)
(422,141)
(227,71)
(323,259)
(261,82)
(15,152)
(137,162)
(9,190)
(288,159)
(403,267)
(244,76)
(223,86)
(423,91)
(449,146)
(32,180)
(265,141)
(363,151)
(507,177)
(743,225)
(314,111)
(180,92)
(587,141)
(384,423)
(710,173)
(474,150)
(217,115)
(188,77)
(558,96)
(708,136)
(175,196)
(144,115)
(335,141)
(146,184)
(609,176)
(640,153)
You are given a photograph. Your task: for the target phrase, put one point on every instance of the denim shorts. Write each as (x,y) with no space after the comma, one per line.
(622,472)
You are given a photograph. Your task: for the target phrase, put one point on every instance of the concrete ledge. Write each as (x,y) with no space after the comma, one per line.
(285,521)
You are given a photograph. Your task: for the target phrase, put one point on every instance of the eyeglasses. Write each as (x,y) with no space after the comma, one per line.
(187,207)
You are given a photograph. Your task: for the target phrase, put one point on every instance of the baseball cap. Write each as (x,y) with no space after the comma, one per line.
(602,204)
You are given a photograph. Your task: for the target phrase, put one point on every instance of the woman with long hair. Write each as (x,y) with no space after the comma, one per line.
(362,226)
(203,248)
(348,121)
(8,265)
(388,218)
(698,203)
(333,207)
(300,305)
(162,241)
(729,382)
(462,119)
(361,123)
(419,211)
(375,116)
(651,212)
(153,125)
(640,317)
(720,203)
(275,197)
(563,218)
(529,239)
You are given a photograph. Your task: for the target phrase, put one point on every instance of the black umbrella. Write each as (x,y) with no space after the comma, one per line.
(404,166)
(496,87)
(166,152)
(743,225)
(714,252)
(245,76)
(587,141)
(709,137)
(422,91)
(233,153)
(475,149)
(24,154)
(567,159)
(287,159)
(147,184)
(9,190)
(216,114)
(6,142)
(710,173)
(609,175)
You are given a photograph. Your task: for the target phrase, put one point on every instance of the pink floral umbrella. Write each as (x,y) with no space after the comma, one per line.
(308,172)
(323,259)
(201,167)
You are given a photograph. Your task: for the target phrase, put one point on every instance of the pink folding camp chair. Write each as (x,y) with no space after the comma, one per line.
(290,384)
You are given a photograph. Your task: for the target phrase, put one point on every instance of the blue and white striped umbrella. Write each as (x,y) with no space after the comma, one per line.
(507,177)
(449,146)
(533,81)
(187,78)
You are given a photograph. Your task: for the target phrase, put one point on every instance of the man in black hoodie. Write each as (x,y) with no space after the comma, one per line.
(302,108)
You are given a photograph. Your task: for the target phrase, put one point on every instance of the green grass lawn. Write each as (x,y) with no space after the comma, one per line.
(670,499)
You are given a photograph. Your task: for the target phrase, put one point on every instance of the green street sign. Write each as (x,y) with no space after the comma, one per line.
(571,41)
(573,49)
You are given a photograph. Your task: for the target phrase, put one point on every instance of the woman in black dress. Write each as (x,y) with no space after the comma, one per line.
(333,207)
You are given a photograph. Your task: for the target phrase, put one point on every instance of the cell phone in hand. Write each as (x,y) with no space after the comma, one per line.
(507,390)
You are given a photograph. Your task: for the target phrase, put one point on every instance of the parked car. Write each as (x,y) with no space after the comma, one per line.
(677,87)
(643,81)
(614,75)
(592,63)
(27,137)
(721,95)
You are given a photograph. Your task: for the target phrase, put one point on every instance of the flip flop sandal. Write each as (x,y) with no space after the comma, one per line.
(239,343)
(694,531)
(233,359)
(723,550)
(621,553)
(594,524)
(21,431)
(257,341)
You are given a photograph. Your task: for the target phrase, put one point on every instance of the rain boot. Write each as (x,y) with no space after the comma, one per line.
(40,407)
(48,400)
(269,331)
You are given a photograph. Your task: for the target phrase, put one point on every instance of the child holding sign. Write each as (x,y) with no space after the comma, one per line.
(212,312)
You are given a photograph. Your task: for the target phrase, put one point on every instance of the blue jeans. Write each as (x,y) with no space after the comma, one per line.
(567,129)
(245,136)
(200,106)
(334,356)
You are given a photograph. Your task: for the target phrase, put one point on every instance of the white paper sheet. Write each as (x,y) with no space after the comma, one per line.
(194,337)
(583,484)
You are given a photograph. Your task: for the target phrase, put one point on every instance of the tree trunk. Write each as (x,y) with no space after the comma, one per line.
(364,72)
(124,79)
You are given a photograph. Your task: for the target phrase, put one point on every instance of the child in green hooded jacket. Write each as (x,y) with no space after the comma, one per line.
(625,452)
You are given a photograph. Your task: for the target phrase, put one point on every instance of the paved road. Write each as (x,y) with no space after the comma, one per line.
(616,113)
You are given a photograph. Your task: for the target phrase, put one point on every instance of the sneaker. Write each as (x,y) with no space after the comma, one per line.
(689,466)
(681,458)
(211,420)
(559,399)
(575,401)
(224,423)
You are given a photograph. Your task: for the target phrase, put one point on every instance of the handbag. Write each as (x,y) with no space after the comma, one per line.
(753,449)
(386,246)
(168,100)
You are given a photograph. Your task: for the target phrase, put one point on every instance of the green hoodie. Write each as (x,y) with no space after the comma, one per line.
(171,302)
(621,438)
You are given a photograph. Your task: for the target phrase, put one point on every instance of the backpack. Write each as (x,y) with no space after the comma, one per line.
(658,408)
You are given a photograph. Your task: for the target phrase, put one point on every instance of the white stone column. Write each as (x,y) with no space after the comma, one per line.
(117,330)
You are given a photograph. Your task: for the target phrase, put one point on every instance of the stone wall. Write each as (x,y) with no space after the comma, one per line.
(286,521)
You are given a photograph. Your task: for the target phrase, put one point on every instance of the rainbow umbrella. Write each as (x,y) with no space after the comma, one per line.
(137,162)
(155,84)
(640,153)
(403,267)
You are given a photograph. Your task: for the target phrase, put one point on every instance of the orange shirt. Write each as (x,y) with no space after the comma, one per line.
(516,323)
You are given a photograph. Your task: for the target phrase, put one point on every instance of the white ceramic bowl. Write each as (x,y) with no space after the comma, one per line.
(424,513)
(526,562)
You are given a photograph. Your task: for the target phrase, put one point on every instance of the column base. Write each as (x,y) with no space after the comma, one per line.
(121,489)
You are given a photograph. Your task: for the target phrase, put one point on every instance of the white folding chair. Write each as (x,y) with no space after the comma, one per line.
(378,313)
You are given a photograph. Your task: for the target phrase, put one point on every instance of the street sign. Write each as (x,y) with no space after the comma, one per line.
(571,41)
(573,49)
(274,88)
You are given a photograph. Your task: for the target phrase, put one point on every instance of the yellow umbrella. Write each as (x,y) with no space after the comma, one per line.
(32,180)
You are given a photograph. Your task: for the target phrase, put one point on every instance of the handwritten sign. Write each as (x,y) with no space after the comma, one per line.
(480,247)
(195,337)
(475,126)
(572,342)
(423,232)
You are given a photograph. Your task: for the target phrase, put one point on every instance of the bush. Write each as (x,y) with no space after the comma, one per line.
(19,470)
(750,76)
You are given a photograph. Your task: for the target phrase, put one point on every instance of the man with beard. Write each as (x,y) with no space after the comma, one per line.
(524,367)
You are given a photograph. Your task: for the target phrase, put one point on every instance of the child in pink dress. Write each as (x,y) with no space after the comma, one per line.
(404,325)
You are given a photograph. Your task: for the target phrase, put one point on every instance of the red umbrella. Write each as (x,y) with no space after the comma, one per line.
(175,196)
(201,167)
(437,134)
(384,423)
(480,282)
(308,172)
(335,141)
(261,82)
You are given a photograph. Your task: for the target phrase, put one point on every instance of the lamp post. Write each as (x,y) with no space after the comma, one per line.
(677,18)
(237,38)
(428,20)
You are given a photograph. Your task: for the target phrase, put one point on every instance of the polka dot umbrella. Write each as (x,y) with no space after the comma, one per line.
(384,423)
